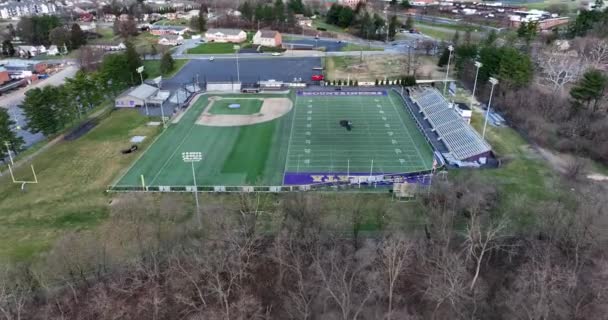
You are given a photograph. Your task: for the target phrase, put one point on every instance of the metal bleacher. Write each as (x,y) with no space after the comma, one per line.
(461,140)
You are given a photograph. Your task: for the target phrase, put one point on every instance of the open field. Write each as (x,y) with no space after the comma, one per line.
(378,67)
(72,176)
(384,139)
(212,48)
(446,32)
(152,67)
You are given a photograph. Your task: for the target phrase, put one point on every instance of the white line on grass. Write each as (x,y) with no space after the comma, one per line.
(406,128)
(293,120)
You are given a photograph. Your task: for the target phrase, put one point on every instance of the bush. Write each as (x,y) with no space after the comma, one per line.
(377,83)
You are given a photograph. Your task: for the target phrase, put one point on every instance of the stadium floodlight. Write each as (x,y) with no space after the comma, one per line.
(238,73)
(447,70)
(477,65)
(193,157)
(494,82)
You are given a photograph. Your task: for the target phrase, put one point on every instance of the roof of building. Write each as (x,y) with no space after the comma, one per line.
(268,33)
(228,32)
(143,92)
(459,137)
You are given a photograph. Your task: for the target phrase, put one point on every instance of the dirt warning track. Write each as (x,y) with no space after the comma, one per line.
(272,108)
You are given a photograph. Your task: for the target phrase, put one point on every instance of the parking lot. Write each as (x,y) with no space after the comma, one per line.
(250,70)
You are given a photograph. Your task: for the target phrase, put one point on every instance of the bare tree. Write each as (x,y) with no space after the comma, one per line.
(343,279)
(560,70)
(395,254)
(482,238)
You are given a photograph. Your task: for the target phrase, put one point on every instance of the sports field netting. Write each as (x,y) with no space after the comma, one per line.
(384,138)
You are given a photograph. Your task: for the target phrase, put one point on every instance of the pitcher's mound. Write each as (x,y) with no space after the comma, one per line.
(271,109)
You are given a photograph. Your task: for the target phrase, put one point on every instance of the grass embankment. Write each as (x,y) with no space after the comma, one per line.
(524,179)
(152,67)
(318,23)
(72,176)
(359,47)
(447,31)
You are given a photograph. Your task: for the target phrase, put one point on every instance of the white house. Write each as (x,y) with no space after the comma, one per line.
(24,50)
(171,40)
(53,51)
(225,35)
(268,38)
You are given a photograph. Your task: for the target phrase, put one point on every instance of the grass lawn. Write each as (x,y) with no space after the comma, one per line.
(248,106)
(213,48)
(319,23)
(446,32)
(72,176)
(523,180)
(152,67)
(358,47)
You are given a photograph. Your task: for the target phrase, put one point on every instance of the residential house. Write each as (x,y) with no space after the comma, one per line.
(112,46)
(53,51)
(303,21)
(4,76)
(27,51)
(268,38)
(163,30)
(135,97)
(225,35)
(16,9)
(171,40)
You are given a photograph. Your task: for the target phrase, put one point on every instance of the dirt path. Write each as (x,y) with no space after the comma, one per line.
(271,109)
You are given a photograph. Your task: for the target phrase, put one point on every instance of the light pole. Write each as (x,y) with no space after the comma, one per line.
(494,82)
(447,71)
(238,73)
(477,65)
(8,150)
(193,157)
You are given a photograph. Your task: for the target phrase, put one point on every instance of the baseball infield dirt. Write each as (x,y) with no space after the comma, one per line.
(271,109)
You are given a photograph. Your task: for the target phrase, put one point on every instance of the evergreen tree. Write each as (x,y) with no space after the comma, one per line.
(590,89)
(296,6)
(346,17)
(443,59)
(7,48)
(8,135)
(166,63)
(405,4)
(202,19)
(392,27)
(456,38)
(279,11)
(48,110)
(528,31)
(247,11)
(77,37)
(409,23)
(133,62)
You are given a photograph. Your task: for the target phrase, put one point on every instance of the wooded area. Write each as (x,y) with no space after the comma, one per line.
(467,259)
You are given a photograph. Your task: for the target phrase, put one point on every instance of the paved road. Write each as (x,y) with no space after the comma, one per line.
(14,99)
(251,69)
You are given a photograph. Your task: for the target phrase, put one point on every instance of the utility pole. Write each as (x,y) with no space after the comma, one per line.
(8,150)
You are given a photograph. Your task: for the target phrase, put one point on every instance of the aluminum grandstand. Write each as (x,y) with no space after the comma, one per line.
(463,143)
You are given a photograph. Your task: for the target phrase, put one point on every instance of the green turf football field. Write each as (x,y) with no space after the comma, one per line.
(382,131)
(247,106)
(246,155)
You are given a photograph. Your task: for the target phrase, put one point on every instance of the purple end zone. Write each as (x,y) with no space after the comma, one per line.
(342,93)
(307,178)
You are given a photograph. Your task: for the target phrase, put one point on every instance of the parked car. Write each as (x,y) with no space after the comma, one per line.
(211,58)
(276,54)
(318,77)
